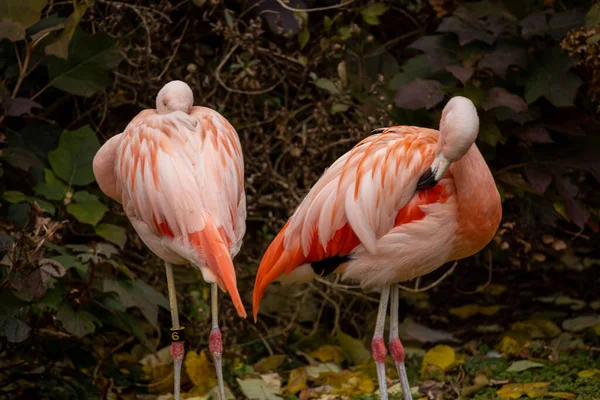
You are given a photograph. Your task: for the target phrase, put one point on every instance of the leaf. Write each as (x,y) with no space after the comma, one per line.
(539,177)
(439,49)
(543,82)
(53,188)
(87,208)
(503,56)
(60,48)
(11,30)
(348,383)
(535,134)
(78,323)
(201,371)
(563,395)
(327,85)
(437,360)
(314,371)
(21,158)
(537,328)
(575,211)
(420,93)
(13,196)
(510,345)
(269,363)
(87,70)
(523,365)
(582,323)
(461,73)
(113,233)
(416,67)
(589,373)
(592,18)
(411,330)
(373,11)
(354,349)
(328,353)
(13,329)
(469,310)
(20,106)
(499,97)
(467,29)
(338,108)
(22,13)
(563,22)
(256,389)
(297,381)
(535,24)
(490,133)
(72,160)
(516,390)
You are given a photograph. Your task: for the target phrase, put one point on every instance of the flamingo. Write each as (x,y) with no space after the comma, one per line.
(400,204)
(178,171)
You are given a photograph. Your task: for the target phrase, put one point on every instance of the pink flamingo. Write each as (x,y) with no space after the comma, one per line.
(178,171)
(400,204)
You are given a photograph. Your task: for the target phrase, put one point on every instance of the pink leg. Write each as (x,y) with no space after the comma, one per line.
(177,343)
(215,343)
(396,348)
(378,346)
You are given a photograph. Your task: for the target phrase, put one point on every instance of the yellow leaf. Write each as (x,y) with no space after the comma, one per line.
(538,328)
(297,381)
(589,373)
(328,353)
(469,310)
(513,341)
(492,289)
(562,395)
(348,383)
(437,360)
(201,371)
(269,363)
(596,329)
(516,390)
(158,369)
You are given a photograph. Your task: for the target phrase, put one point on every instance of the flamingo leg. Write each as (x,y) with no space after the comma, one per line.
(215,343)
(177,344)
(378,346)
(395,346)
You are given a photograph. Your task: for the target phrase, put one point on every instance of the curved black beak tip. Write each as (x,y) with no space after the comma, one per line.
(427,180)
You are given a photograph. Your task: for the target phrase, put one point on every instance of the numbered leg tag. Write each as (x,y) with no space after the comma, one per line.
(178,334)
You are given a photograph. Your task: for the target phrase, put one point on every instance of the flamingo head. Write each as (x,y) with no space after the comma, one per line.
(174,96)
(458,130)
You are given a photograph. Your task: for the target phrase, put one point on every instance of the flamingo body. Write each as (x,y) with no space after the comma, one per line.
(367,220)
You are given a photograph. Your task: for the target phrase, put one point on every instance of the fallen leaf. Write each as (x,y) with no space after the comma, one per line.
(269,363)
(581,323)
(201,371)
(469,310)
(411,330)
(314,371)
(328,353)
(256,389)
(523,365)
(511,345)
(158,369)
(273,382)
(589,373)
(516,390)
(537,328)
(480,381)
(562,395)
(354,349)
(348,383)
(297,381)
(437,360)
(492,289)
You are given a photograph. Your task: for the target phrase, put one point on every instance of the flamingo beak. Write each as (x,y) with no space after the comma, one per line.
(434,174)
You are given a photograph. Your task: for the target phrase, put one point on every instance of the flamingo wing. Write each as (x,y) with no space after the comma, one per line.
(359,199)
(181,181)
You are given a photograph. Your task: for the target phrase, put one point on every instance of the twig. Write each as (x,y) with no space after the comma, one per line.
(282,4)
(437,282)
(174,52)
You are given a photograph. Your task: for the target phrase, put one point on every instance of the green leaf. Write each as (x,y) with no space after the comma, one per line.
(326,84)
(78,323)
(303,36)
(25,12)
(372,12)
(87,209)
(416,67)
(592,18)
(354,349)
(551,78)
(523,365)
(13,328)
(44,205)
(138,294)
(14,196)
(113,233)
(87,71)
(490,133)
(72,160)
(338,108)
(60,48)
(53,188)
